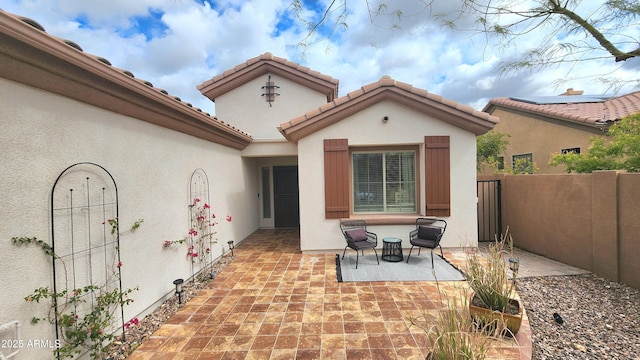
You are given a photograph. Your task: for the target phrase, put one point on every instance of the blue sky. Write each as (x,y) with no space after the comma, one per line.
(178,44)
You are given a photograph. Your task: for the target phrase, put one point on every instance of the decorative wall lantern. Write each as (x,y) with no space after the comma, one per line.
(179,290)
(270,91)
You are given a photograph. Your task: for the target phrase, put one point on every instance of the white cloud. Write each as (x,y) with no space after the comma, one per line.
(199,41)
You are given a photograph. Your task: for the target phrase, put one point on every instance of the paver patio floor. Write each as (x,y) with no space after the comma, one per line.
(273,302)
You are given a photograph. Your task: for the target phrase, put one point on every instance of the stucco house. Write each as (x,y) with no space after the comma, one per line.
(539,126)
(284,150)
(332,145)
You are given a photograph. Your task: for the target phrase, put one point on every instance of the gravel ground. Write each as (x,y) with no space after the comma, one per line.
(601,318)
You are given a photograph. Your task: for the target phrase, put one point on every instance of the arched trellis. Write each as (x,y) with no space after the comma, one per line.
(202,242)
(85,237)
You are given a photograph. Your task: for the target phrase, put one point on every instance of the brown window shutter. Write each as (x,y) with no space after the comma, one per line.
(437,175)
(336,178)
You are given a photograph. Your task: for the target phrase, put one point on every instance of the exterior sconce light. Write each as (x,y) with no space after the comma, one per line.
(269,91)
(514,265)
(231,246)
(179,290)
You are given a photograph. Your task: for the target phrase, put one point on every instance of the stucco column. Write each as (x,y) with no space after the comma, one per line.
(605,224)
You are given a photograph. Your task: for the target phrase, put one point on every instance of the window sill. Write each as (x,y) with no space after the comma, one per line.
(408,219)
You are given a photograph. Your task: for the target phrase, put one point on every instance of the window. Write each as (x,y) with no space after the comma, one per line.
(575,150)
(384,182)
(523,163)
(338,170)
(266,193)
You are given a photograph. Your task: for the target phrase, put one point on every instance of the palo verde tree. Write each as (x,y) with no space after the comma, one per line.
(619,150)
(568,31)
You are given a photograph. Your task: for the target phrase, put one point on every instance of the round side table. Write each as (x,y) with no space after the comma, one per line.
(392,249)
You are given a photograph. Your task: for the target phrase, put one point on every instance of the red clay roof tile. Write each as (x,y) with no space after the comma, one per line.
(447,110)
(268,63)
(593,113)
(21,28)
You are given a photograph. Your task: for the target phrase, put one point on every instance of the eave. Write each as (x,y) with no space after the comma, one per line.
(35,58)
(269,64)
(420,100)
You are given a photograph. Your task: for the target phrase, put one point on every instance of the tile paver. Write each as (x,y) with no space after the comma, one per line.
(272,302)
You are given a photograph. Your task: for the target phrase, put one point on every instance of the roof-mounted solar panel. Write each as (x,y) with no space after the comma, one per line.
(567,99)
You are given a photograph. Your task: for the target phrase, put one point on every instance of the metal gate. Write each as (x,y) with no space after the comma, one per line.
(489,210)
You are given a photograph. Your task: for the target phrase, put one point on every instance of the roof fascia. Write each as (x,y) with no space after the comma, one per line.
(37,59)
(333,113)
(234,79)
(560,120)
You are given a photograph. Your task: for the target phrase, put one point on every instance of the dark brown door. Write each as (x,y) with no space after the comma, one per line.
(286,205)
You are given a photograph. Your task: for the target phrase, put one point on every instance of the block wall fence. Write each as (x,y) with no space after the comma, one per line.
(591,221)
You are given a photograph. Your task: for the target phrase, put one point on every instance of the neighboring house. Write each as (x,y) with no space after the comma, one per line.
(539,126)
(297,155)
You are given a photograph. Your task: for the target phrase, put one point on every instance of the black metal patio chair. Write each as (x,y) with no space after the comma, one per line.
(427,234)
(358,238)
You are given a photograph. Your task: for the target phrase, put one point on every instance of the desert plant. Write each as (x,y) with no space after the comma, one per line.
(454,335)
(488,278)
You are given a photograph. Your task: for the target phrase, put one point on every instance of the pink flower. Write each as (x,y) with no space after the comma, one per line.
(228,218)
(213,216)
(206,206)
(119,264)
(193,232)
(167,243)
(208,250)
(132,322)
(196,200)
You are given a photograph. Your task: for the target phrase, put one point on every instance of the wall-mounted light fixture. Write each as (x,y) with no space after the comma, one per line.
(269,91)
(179,290)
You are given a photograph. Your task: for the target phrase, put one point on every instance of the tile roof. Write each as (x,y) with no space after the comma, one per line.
(588,110)
(31,56)
(268,63)
(421,100)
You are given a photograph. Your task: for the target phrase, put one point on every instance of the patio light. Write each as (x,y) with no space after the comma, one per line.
(179,291)
(514,265)
(231,246)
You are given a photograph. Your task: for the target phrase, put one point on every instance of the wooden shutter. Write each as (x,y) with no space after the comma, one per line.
(336,178)
(437,175)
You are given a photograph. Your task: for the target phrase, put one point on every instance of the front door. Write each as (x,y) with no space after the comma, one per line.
(285,193)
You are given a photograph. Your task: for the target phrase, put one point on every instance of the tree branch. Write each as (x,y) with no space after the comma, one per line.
(597,35)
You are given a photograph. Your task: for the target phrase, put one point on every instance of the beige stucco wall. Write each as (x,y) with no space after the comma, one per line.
(246,108)
(42,134)
(541,138)
(405,127)
(629,225)
(590,221)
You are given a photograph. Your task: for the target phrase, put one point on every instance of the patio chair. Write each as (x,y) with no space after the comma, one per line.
(358,238)
(427,234)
